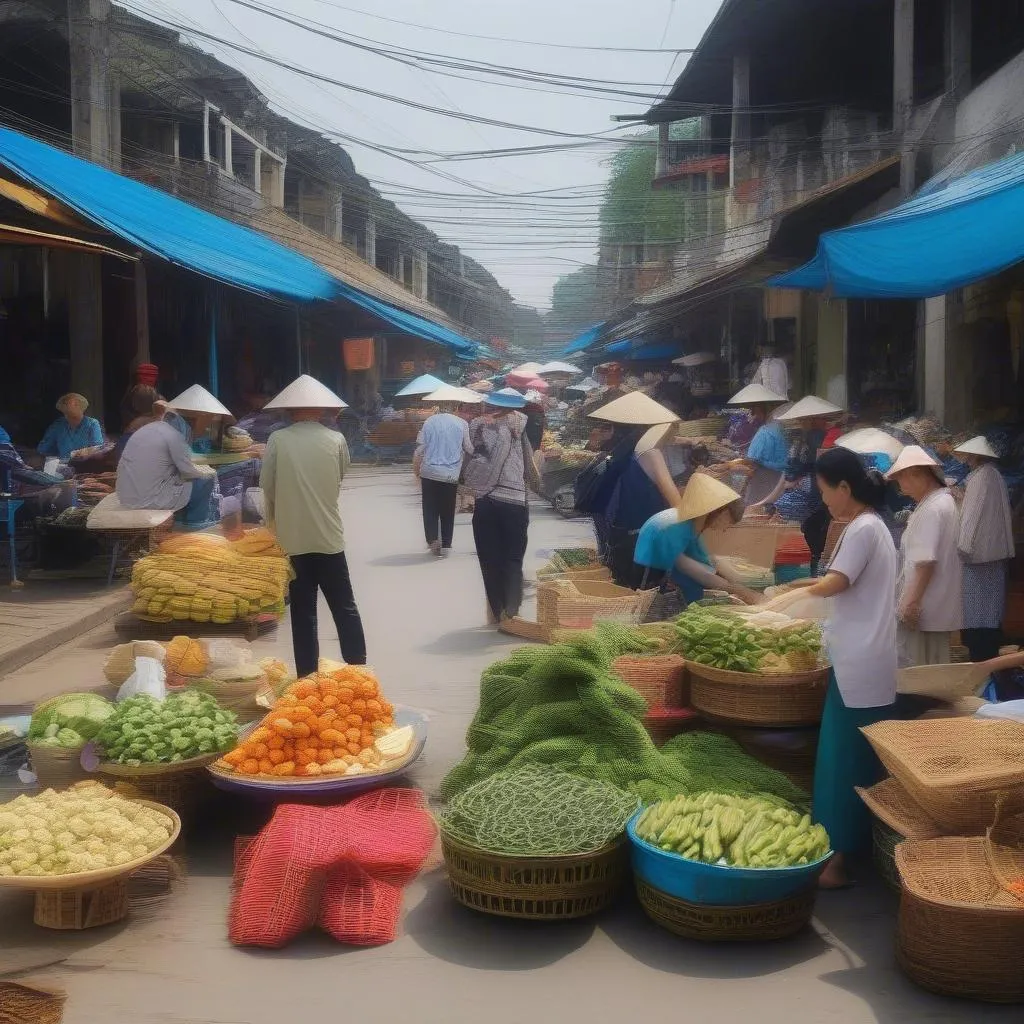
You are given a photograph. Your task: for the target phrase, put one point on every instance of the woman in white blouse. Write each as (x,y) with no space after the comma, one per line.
(860,633)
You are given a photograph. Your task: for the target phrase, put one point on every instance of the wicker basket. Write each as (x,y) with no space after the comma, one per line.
(1004,849)
(26,1004)
(76,909)
(895,817)
(748,699)
(761,923)
(526,629)
(958,770)
(180,786)
(578,604)
(56,767)
(960,933)
(550,573)
(662,724)
(538,888)
(659,679)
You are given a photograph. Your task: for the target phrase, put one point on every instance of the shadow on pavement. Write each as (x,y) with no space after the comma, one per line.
(642,940)
(472,640)
(423,557)
(451,932)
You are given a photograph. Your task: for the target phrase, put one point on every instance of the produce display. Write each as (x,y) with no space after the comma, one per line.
(576,558)
(185,656)
(535,811)
(70,720)
(258,542)
(743,641)
(208,582)
(143,730)
(738,831)
(331,723)
(562,706)
(85,828)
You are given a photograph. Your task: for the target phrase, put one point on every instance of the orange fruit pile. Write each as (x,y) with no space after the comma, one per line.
(321,725)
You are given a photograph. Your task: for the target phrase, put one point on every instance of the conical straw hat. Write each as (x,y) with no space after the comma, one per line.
(654,438)
(306,392)
(978,446)
(870,441)
(914,455)
(635,409)
(527,370)
(197,399)
(422,385)
(809,407)
(755,394)
(447,393)
(704,495)
(471,397)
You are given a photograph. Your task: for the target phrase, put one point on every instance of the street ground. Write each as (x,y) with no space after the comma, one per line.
(423,622)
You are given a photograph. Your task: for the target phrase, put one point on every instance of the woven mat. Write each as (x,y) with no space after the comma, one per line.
(892,804)
(953,871)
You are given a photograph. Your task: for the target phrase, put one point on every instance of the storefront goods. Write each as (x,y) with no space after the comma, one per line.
(961,771)
(563,706)
(718,828)
(120,662)
(213,583)
(960,930)
(87,831)
(335,723)
(534,811)
(58,732)
(342,868)
(143,730)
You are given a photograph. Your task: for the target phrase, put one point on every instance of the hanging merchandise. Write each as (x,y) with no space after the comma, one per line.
(358,353)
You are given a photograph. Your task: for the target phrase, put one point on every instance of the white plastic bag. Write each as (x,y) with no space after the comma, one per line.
(227,653)
(797,604)
(1010,709)
(149,677)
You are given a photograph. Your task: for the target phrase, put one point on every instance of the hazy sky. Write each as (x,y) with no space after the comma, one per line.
(527,242)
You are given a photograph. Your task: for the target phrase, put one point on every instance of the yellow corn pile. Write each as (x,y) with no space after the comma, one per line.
(259,541)
(209,583)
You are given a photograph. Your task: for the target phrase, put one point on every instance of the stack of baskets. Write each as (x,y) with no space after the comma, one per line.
(554,888)
(660,678)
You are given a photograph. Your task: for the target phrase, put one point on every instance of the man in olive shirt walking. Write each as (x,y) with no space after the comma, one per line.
(303,468)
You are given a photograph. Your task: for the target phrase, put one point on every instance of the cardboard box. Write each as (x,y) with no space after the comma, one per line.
(754,544)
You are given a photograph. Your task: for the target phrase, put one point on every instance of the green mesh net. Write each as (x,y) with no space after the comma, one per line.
(562,706)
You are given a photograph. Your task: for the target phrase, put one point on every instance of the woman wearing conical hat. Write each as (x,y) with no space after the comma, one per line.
(765,462)
(671,541)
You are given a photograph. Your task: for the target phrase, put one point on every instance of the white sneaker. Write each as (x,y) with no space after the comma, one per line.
(445,552)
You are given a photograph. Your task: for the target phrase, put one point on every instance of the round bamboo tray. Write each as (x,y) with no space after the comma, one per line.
(26,1004)
(56,767)
(177,784)
(766,700)
(535,888)
(88,880)
(763,922)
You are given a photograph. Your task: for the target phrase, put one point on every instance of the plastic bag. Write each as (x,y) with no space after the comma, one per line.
(149,677)
(797,604)
(1010,709)
(227,653)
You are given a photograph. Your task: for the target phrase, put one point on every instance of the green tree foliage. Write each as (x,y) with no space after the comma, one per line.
(575,301)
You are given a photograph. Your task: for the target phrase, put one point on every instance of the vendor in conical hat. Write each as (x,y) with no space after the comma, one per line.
(765,462)
(670,543)
(303,469)
(986,548)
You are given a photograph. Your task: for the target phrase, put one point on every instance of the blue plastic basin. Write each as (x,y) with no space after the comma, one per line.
(713,884)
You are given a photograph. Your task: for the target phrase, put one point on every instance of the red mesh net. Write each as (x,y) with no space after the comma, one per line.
(343,867)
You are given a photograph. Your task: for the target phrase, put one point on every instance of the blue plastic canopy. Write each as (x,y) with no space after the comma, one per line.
(165,226)
(639,350)
(950,234)
(584,340)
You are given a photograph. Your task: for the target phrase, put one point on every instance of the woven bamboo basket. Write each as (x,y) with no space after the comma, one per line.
(1004,849)
(242,697)
(597,574)
(26,1004)
(958,770)
(960,932)
(527,629)
(56,767)
(763,922)
(659,679)
(77,909)
(580,603)
(181,785)
(536,888)
(767,700)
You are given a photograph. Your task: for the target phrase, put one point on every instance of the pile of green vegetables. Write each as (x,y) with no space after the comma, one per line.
(69,721)
(747,832)
(535,811)
(143,730)
(575,558)
(562,706)
(720,637)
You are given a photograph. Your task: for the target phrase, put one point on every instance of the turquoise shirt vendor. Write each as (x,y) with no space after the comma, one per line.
(72,430)
(671,541)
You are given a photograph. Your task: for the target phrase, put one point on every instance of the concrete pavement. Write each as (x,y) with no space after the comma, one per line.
(423,620)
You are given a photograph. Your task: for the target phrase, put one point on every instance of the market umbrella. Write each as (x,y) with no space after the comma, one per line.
(636,409)
(422,385)
(198,400)
(558,367)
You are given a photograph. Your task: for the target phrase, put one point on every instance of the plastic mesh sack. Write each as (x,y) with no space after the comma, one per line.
(342,867)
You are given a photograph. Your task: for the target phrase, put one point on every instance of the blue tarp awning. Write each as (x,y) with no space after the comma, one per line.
(948,235)
(160,224)
(584,340)
(164,226)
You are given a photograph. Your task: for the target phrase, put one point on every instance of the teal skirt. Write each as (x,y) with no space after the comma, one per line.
(845,760)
